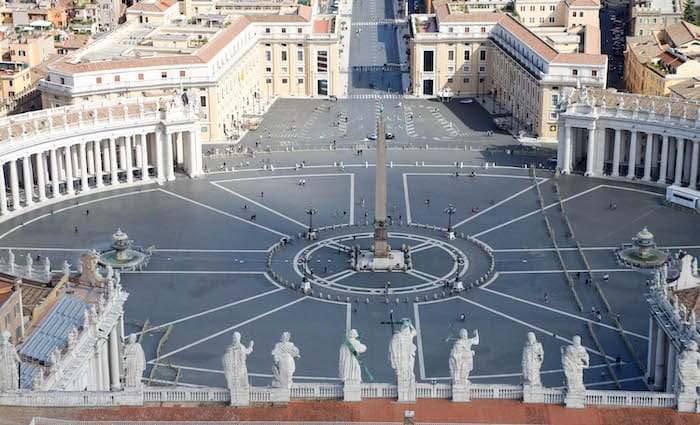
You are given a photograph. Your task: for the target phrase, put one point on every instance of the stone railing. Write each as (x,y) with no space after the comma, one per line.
(327,391)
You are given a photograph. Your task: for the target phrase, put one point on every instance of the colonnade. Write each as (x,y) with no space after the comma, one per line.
(80,165)
(630,136)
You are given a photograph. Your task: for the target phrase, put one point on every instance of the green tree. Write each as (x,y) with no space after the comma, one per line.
(689,13)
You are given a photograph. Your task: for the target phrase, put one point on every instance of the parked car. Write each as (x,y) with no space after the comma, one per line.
(372,136)
(466,101)
(389,136)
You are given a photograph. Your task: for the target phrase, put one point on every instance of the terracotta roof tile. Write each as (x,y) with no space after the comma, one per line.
(580,59)
(682,33)
(528,37)
(322,26)
(584,3)
(158,6)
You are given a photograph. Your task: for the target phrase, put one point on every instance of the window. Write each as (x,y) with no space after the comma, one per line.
(574,72)
(16,309)
(450,68)
(580,14)
(555,99)
(541,8)
(202,100)
(467,55)
(522,8)
(117,78)
(552,8)
(98,80)
(653,20)
(284,81)
(164,74)
(284,70)
(299,30)
(594,73)
(574,14)
(268,80)
(300,69)
(182,73)
(482,55)
(300,81)
(268,69)
(541,19)
(300,55)
(482,69)
(428,65)
(268,55)
(63,80)
(466,29)
(552,19)
(532,20)
(450,80)
(552,116)
(451,55)
(284,56)
(532,8)
(140,76)
(451,29)
(284,30)
(483,29)
(322,61)
(465,80)
(466,69)
(267,30)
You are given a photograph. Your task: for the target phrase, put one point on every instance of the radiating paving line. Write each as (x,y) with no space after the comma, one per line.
(235,217)
(499,203)
(562,271)
(211,310)
(229,329)
(406,199)
(189,272)
(421,363)
(529,325)
(258,204)
(70,207)
(554,310)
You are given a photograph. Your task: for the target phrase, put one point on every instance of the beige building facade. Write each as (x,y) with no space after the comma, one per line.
(252,58)
(494,55)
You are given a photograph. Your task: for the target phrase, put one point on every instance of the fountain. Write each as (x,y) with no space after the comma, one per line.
(122,255)
(643,252)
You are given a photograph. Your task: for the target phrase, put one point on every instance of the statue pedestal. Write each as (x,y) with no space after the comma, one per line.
(451,236)
(461,393)
(280,395)
(575,399)
(687,403)
(533,394)
(407,392)
(240,397)
(352,391)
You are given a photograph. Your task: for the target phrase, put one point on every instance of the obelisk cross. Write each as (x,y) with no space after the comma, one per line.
(381,244)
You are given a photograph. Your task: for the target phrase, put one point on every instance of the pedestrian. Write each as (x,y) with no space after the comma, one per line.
(463,317)
(75,228)
(617,317)
(245,206)
(87,212)
(593,310)
(618,360)
(427,202)
(546,298)
(578,275)
(262,194)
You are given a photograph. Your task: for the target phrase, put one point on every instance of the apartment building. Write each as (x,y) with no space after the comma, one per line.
(649,17)
(654,63)
(31,49)
(495,55)
(231,68)
(15,79)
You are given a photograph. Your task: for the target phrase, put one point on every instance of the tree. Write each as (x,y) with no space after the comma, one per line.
(689,12)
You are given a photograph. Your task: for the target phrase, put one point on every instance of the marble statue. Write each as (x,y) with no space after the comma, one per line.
(574,358)
(66,269)
(9,372)
(38,380)
(47,268)
(533,356)
(134,363)
(234,364)
(283,356)
(90,274)
(29,264)
(402,352)
(11,260)
(349,367)
(689,370)
(652,107)
(462,357)
(636,104)
(668,109)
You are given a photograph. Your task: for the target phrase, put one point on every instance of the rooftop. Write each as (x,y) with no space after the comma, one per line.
(689,90)
(681,33)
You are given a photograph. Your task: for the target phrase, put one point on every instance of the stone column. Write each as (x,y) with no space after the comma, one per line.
(197,141)
(590,155)
(566,166)
(180,152)
(28,181)
(632,164)
(113,160)
(680,145)
(616,154)
(114,365)
(663,168)
(170,175)
(99,384)
(3,191)
(97,150)
(84,185)
(104,355)
(41,176)
(647,157)
(694,166)
(143,139)
(90,158)
(121,143)
(660,359)
(137,150)
(69,170)
(127,160)
(671,370)
(55,188)
(160,167)
(14,184)
(651,348)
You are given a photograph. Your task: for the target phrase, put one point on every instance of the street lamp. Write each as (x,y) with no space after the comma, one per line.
(450,210)
(311,211)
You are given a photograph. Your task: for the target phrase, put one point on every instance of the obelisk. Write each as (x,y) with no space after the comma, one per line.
(381,245)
